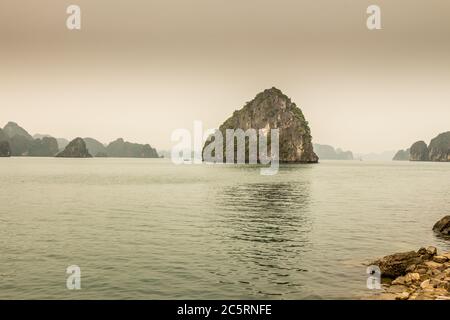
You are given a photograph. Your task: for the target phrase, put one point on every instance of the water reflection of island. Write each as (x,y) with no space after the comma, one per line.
(265,229)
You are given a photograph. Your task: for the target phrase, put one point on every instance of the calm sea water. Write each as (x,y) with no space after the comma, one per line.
(147,229)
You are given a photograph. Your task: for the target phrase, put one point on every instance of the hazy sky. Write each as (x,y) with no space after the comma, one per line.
(140,69)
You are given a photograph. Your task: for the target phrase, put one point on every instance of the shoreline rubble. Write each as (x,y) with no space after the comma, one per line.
(421,275)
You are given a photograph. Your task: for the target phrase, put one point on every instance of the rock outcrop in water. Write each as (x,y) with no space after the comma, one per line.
(20,145)
(62,142)
(75,149)
(271,109)
(442,227)
(16,141)
(23,144)
(45,147)
(402,155)
(326,152)
(124,149)
(419,151)
(421,275)
(95,147)
(439,148)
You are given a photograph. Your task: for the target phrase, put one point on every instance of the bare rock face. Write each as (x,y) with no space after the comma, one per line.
(419,151)
(5,150)
(443,226)
(439,148)
(271,109)
(75,149)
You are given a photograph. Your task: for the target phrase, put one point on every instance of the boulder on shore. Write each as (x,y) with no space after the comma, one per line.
(395,265)
(75,149)
(421,275)
(443,226)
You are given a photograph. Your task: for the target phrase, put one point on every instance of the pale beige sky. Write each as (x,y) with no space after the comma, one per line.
(140,69)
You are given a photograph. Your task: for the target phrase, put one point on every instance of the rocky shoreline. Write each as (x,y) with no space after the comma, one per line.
(421,275)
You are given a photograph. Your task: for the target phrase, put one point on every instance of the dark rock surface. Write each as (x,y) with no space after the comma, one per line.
(443,226)
(419,151)
(75,149)
(395,265)
(439,148)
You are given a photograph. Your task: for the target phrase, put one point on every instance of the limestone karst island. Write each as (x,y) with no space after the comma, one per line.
(272,109)
(17,142)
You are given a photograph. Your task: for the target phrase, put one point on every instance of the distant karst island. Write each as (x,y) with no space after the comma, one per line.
(326,152)
(272,109)
(16,141)
(438,150)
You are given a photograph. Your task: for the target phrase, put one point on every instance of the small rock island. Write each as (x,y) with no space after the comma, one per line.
(271,109)
(15,141)
(438,150)
(326,152)
(75,149)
